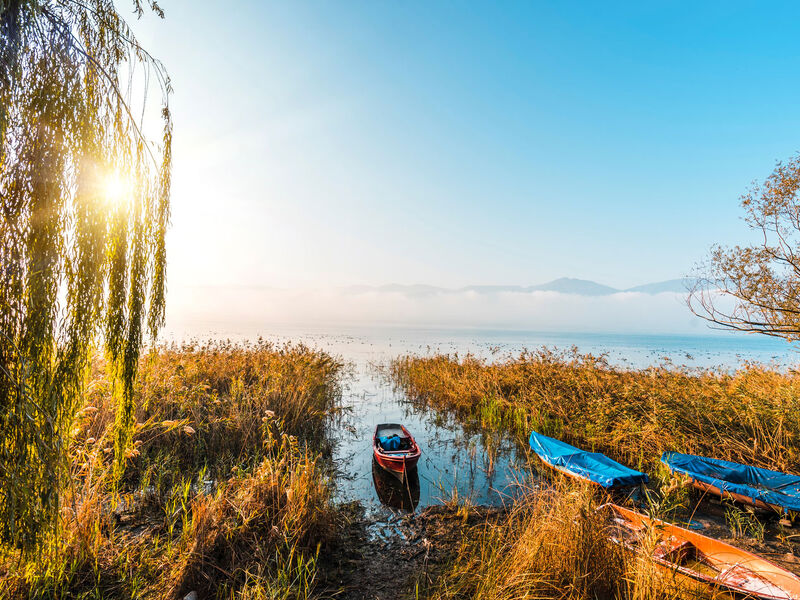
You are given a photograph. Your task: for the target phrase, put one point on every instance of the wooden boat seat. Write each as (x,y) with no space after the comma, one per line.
(747,579)
(675,550)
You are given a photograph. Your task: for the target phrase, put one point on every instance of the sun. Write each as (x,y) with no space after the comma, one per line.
(117,188)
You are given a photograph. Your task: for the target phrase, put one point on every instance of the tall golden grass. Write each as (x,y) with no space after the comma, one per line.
(553,545)
(223,493)
(204,405)
(751,415)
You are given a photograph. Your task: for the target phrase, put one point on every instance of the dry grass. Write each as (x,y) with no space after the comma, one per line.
(205,405)
(751,415)
(553,545)
(261,530)
(224,493)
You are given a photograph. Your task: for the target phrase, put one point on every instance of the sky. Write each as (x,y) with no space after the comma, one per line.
(322,144)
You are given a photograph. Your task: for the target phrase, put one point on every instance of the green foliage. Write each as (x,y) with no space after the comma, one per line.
(744,523)
(74,257)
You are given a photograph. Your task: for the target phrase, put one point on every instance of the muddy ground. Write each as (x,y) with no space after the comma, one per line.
(398,559)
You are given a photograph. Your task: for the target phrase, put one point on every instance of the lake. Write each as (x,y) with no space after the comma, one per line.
(452,461)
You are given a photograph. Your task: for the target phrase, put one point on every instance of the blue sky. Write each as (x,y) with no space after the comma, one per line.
(453,143)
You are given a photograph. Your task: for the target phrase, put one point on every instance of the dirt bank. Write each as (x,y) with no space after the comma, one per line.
(391,560)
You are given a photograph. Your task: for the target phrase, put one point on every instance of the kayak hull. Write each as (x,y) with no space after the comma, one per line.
(579,464)
(754,486)
(711,562)
(708,488)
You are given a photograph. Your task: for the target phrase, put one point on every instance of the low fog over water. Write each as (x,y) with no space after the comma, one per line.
(255,307)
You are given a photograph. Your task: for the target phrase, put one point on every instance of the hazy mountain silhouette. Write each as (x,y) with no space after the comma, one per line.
(563,285)
(671,285)
(568,285)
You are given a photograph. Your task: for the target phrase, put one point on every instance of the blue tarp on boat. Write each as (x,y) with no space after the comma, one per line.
(392,442)
(593,466)
(770,487)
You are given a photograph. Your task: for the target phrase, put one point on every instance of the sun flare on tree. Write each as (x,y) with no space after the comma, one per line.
(84,192)
(117,188)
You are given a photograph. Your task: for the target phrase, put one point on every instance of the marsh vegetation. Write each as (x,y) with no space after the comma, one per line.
(552,544)
(228,488)
(223,492)
(750,415)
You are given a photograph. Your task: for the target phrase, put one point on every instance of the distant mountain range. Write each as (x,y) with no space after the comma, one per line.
(564,285)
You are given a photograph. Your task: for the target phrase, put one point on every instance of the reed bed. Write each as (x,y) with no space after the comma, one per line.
(554,545)
(751,415)
(224,493)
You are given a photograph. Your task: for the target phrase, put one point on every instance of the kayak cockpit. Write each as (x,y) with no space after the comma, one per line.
(701,558)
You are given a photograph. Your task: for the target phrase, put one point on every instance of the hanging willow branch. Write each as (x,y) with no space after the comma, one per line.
(84,196)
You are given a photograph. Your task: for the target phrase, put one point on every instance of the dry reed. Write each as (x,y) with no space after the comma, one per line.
(223,492)
(751,415)
(555,546)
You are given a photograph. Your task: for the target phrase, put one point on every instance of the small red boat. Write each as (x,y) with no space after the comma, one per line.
(394,448)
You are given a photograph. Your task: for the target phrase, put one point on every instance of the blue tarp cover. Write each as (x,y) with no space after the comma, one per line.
(593,466)
(771,487)
(393,442)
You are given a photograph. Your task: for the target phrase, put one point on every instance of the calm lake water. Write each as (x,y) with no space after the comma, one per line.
(452,461)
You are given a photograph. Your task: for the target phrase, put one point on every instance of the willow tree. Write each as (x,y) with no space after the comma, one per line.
(756,288)
(84,196)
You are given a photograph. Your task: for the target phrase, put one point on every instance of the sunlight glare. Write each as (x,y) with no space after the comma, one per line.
(117,188)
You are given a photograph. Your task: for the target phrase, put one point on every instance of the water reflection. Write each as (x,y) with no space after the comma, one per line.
(393,492)
(454,462)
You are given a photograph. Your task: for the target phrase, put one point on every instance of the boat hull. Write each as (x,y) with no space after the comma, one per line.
(592,467)
(724,567)
(761,488)
(708,488)
(396,462)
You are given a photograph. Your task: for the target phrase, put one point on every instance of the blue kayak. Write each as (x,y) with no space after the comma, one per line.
(760,487)
(592,466)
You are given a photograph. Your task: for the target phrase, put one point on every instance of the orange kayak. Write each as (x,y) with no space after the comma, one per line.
(709,561)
